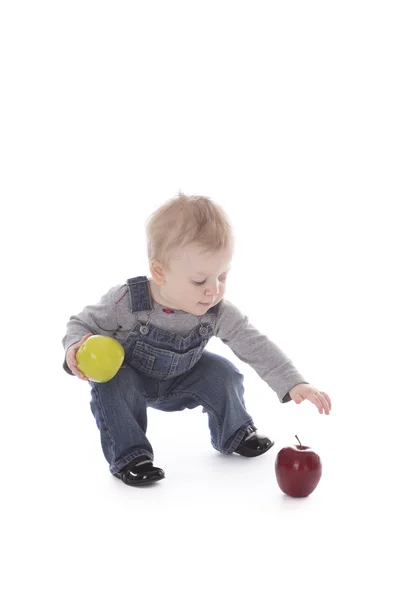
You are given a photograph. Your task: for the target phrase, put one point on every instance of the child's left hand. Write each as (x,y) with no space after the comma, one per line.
(303,391)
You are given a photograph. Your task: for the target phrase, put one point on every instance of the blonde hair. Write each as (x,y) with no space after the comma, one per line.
(184,220)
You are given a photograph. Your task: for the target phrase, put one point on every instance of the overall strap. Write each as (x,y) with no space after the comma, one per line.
(139,294)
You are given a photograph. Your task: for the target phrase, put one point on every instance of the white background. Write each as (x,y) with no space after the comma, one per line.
(287,114)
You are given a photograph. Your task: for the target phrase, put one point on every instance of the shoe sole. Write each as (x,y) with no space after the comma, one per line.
(141,483)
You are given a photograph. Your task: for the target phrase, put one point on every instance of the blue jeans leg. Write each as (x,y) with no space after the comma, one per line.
(120,409)
(215,384)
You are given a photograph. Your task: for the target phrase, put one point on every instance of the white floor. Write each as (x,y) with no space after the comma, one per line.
(217,526)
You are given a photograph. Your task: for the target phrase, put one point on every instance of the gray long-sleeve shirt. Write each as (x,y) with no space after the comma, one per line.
(112,315)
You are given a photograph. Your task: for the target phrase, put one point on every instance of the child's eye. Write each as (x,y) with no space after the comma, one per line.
(222,279)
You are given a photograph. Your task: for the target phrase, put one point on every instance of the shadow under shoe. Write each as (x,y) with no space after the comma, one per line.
(140,471)
(253,444)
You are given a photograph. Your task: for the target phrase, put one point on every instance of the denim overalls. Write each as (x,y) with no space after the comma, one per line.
(169,372)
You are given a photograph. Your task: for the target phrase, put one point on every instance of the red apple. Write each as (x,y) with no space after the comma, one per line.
(298,470)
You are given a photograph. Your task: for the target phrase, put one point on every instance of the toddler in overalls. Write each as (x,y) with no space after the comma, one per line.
(164,323)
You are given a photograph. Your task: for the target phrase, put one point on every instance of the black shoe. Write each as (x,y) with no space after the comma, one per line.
(253,444)
(140,471)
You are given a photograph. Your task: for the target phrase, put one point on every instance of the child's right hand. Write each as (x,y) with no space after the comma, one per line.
(70,357)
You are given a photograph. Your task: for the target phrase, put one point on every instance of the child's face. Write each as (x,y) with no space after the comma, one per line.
(195,280)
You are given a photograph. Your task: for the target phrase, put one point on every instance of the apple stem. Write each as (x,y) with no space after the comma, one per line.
(299,441)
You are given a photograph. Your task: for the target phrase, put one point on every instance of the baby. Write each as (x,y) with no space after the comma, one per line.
(164,323)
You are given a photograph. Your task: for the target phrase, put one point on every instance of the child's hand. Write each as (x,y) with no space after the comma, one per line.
(70,357)
(303,391)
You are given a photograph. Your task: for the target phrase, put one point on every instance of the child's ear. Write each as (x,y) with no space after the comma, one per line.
(157,271)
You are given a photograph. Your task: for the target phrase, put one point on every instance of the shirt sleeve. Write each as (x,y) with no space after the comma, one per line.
(256,350)
(99,319)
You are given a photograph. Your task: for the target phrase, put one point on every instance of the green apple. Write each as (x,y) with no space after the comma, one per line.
(100,358)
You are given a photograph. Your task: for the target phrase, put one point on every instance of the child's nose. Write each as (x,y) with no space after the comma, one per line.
(213,289)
